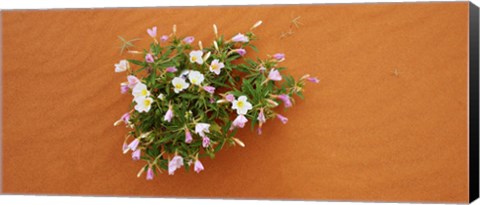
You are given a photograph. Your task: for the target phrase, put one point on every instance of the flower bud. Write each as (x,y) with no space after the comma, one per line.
(272,103)
(239,142)
(149,173)
(136,155)
(215,30)
(215,45)
(140,172)
(206,56)
(256,25)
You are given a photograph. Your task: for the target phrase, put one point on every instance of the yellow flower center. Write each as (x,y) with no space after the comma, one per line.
(194,58)
(240,104)
(214,67)
(178,86)
(147,103)
(144,92)
(194,81)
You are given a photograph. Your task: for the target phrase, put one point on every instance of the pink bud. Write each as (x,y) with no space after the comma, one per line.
(171,69)
(230,98)
(134,144)
(241,51)
(150,173)
(125,117)
(169,115)
(149,58)
(282,118)
(313,79)
(189,39)
(205,142)
(209,89)
(279,56)
(286,100)
(164,38)
(259,131)
(123,88)
(188,136)
(198,166)
(136,155)
(261,117)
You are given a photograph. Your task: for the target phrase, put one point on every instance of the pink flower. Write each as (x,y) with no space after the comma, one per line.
(136,155)
(174,164)
(188,136)
(286,100)
(239,121)
(125,118)
(313,79)
(132,81)
(205,142)
(150,173)
(240,38)
(171,69)
(134,144)
(282,118)
(198,166)
(261,117)
(209,89)
(152,32)
(230,98)
(149,58)
(164,38)
(274,75)
(241,51)
(169,115)
(188,39)
(123,88)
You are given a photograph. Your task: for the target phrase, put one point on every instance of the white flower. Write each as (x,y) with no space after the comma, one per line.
(216,66)
(202,128)
(196,56)
(121,66)
(241,105)
(140,90)
(179,84)
(161,96)
(195,77)
(143,104)
(240,38)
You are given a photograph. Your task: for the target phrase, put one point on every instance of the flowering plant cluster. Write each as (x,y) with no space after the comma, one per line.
(189,101)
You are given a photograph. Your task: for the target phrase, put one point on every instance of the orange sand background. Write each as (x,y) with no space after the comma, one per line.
(362,134)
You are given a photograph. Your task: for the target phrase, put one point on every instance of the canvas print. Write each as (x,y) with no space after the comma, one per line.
(343,102)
